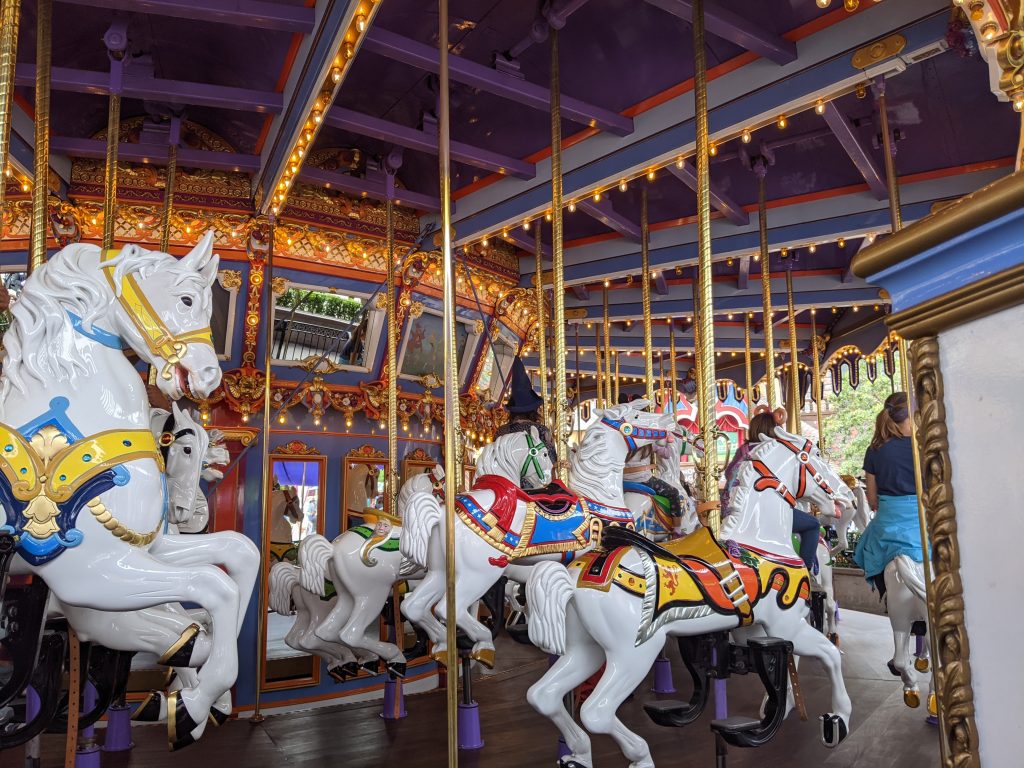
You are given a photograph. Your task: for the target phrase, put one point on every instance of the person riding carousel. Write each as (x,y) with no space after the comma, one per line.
(891,492)
(523,407)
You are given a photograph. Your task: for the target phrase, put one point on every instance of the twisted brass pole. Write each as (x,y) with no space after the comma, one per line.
(451,383)
(616,378)
(10,11)
(542,351)
(672,364)
(599,376)
(708,475)
(557,267)
(816,381)
(110,176)
(747,365)
(579,383)
(890,157)
(392,484)
(607,372)
(645,277)
(165,212)
(766,286)
(41,169)
(793,415)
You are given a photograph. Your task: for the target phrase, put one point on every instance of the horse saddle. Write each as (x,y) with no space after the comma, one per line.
(692,577)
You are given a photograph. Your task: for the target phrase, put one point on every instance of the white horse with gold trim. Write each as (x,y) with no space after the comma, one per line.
(81,475)
(616,606)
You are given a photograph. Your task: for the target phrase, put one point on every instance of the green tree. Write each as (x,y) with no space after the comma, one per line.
(849,428)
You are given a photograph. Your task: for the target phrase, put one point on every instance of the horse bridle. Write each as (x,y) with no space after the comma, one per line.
(631,432)
(769,480)
(532,459)
(168,436)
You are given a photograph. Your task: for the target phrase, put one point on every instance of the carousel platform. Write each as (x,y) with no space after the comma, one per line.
(885,733)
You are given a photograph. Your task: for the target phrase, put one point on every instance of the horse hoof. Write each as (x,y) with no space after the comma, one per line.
(337,674)
(485,656)
(153,708)
(933,705)
(373,667)
(921,665)
(396,669)
(834,638)
(180,654)
(833,730)
(440,655)
(181,728)
(912,699)
(571,762)
(892,670)
(218,718)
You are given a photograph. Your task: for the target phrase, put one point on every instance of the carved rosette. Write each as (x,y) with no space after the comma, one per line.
(296,448)
(946,598)
(366,452)
(418,454)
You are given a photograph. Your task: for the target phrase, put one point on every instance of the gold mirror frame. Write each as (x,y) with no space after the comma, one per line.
(365,454)
(295,451)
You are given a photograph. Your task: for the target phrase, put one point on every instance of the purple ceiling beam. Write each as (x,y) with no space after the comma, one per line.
(854,147)
(156,89)
(607,215)
(422,56)
(581,292)
(426,141)
(660,286)
(374,188)
(527,243)
(239,13)
(155,154)
(743,280)
(553,13)
(722,203)
(734,28)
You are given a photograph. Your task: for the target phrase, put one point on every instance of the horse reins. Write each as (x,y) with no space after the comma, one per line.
(768,480)
(631,432)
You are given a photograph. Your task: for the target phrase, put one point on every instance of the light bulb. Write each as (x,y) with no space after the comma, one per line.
(484,242)
(824,3)
(745,136)
(841,242)
(547,216)
(713,149)
(679,163)
(782,122)
(572,207)
(650,175)
(820,107)
(812,248)
(623,186)
(597,197)
(361,22)
(526,225)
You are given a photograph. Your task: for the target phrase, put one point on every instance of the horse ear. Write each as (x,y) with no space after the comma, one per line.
(198,257)
(176,411)
(641,404)
(780,432)
(209,272)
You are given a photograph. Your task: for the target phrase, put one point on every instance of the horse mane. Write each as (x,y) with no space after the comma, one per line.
(748,475)
(491,461)
(595,441)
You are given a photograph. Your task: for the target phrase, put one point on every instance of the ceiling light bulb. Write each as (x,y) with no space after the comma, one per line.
(713,149)
(841,242)
(679,163)
(597,196)
(623,186)
(824,3)
(745,136)
(650,175)
(361,22)
(820,107)
(812,248)
(572,207)
(526,225)
(782,122)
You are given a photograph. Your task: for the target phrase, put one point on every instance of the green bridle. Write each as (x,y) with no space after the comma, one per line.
(532,462)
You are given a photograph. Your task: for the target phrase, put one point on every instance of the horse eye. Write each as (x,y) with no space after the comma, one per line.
(187,450)
(186,300)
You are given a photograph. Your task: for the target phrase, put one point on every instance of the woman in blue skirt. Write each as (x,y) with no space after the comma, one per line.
(891,492)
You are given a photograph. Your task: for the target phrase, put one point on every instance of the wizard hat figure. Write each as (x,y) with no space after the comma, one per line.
(523,406)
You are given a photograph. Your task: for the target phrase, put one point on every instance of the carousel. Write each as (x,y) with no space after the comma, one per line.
(469,383)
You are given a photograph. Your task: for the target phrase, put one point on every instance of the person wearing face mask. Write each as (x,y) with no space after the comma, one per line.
(891,492)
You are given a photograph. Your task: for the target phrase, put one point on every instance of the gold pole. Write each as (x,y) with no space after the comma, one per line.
(890,158)
(452,436)
(661,367)
(110,178)
(599,376)
(165,213)
(268,338)
(672,364)
(616,377)
(645,260)
(766,286)
(10,10)
(747,365)
(41,170)
(557,258)
(392,483)
(607,353)
(793,415)
(816,381)
(579,382)
(708,475)
(542,352)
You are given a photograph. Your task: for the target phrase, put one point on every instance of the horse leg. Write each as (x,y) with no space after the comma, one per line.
(142,581)
(625,668)
(358,630)
(583,657)
(475,578)
(228,549)
(417,606)
(809,642)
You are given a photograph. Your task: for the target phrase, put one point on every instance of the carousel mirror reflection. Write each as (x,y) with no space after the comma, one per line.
(364,476)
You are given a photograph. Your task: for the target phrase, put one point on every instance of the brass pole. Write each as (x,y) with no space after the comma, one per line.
(816,381)
(645,277)
(661,367)
(542,351)
(599,375)
(110,177)
(793,414)
(672,362)
(392,478)
(452,436)
(607,353)
(747,365)
(890,157)
(708,475)
(41,169)
(616,377)
(10,10)
(557,258)
(579,382)
(165,213)
(268,339)
(766,285)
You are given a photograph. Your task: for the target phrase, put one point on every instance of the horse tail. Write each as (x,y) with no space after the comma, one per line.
(911,574)
(422,513)
(315,554)
(283,578)
(548,592)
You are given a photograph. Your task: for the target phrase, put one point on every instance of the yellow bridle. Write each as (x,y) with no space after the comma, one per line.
(158,337)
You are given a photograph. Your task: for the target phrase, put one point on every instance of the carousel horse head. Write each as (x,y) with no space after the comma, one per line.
(794,468)
(183,444)
(520,457)
(217,455)
(637,426)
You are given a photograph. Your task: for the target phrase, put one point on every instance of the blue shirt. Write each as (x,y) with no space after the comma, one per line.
(893,467)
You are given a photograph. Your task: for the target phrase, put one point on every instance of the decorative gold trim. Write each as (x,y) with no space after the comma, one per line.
(969,212)
(244,435)
(993,294)
(959,733)
(230,279)
(419,455)
(872,53)
(186,636)
(124,533)
(295,448)
(365,452)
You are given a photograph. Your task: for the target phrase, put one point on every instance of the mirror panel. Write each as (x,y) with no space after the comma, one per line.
(365,470)
(417,462)
(294,510)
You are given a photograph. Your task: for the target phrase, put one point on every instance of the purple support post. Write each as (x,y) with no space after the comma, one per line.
(119,729)
(88,753)
(32,706)
(394,700)
(919,649)
(469,711)
(663,675)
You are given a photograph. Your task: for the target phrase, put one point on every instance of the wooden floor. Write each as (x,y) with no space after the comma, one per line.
(884,732)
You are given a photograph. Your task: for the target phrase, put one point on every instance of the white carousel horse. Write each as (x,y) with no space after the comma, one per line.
(501,529)
(285,511)
(334,627)
(621,615)
(80,471)
(907,604)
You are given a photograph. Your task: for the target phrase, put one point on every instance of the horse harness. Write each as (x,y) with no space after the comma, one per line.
(768,480)
(631,432)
